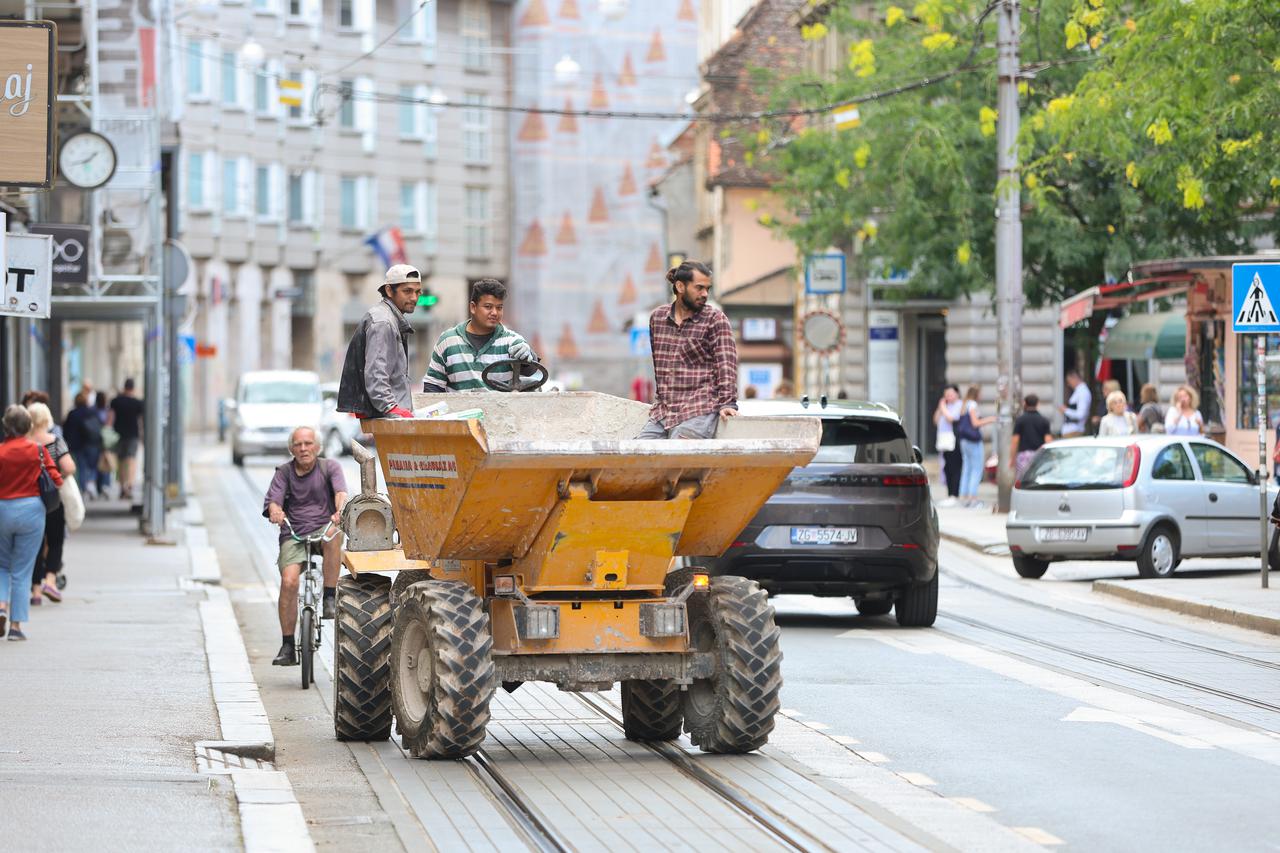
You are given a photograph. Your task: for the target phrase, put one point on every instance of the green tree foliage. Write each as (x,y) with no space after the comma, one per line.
(913,186)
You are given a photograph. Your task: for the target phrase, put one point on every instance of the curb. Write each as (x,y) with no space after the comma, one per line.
(993,549)
(1224,614)
(271,818)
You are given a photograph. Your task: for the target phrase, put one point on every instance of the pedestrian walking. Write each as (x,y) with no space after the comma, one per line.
(695,360)
(126,419)
(375,372)
(973,462)
(1118,420)
(107,460)
(945,415)
(1150,412)
(22,516)
(462,353)
(1184,416)
(44,579)
(1031,431)
(1076,411)
(83,433)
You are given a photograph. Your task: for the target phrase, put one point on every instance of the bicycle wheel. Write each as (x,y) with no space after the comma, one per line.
(306,634)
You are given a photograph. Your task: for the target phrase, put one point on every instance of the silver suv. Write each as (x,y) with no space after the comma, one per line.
(1154,499)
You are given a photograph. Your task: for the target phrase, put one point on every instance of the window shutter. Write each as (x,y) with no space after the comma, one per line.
(274,73)
(364,20)
(366,113)
(311,13)
(213,186)
(427,27)
(308,90)
(429,215)
(246,178)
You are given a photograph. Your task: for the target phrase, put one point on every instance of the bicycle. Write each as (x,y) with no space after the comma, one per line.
(310,583)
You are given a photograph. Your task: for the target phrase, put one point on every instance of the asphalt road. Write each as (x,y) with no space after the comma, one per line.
(1075,721)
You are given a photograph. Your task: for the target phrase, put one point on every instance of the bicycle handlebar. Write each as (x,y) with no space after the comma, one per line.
(323,535)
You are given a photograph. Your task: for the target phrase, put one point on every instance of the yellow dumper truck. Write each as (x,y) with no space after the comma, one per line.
(538,541)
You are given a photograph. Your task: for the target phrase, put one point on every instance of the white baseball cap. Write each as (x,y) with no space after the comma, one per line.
(399,274)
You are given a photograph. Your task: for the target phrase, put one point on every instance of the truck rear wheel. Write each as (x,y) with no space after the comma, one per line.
(362,659)
(651,709)
(733,710)
(443,679)
(405,579)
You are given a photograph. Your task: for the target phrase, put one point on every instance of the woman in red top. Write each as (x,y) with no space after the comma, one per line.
(21,516)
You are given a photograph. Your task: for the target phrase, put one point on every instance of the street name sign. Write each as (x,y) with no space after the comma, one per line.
(1255,293)
(824,273)
(28,286)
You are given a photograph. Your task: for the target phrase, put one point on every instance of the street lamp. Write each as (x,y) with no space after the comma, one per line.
(614,10)
(567,70)
(437,98)
(252,54)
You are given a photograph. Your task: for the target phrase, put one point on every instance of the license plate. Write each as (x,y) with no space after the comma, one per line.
(824,535)
(1064,534)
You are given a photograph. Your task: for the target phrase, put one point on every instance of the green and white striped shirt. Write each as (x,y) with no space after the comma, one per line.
(456,365)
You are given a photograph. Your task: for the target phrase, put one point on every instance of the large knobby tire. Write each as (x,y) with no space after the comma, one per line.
(917,607)
(873,606)
(733,710)
(442,670)
(306,646)
(362,659)
(405,579)
(1158,555)
(1030,567)
(651,709)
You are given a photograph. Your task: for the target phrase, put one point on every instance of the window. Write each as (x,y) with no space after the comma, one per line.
(346,14)
(1077,467)
(1247,387)
(269,7)
(347,111)
(475,129)
(410,113)
(230,79)
(296,113)
(230,186)
(197,78)
(477,222)
(474,27)
(297,207)
(850,440)
(196,193)
(262,93)
(1218,466)
(262,192)
(348,202)
(422,26)
(296,8)
(356,201)
(409,223)
(1172,464)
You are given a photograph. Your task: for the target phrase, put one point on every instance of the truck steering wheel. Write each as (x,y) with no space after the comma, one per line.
(521,375)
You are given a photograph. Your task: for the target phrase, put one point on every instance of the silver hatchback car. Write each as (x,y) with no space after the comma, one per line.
(1154,499)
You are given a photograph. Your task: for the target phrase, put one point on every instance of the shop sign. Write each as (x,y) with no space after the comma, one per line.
(28,285)
(70,252)
(27,50)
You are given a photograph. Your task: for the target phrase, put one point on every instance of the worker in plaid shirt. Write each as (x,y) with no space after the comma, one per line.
(695,360)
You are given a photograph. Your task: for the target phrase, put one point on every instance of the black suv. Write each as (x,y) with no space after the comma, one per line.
(856,521)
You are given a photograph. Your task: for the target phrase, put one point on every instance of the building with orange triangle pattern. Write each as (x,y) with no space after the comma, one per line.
(567,123)
(686,12)
(657,53)
(627,76)
(569,10)
(599,209)
(654,264)
(628,184)
(657,158)
(565,236)
(535,242)
(536,15)
(599,97)
(567,348)
(599,324)
(534,129)
(628,294)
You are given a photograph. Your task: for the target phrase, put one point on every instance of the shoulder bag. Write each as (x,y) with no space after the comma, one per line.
(48,491)
(964,428)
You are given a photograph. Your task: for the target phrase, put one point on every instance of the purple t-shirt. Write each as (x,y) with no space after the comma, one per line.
(308,500)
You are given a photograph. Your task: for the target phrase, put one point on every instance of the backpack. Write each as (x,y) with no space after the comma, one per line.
(352,395)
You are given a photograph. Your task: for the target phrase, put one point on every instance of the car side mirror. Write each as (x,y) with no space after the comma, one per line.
(917,455)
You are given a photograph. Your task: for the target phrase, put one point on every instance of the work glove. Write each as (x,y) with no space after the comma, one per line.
(521,351)
(397,412)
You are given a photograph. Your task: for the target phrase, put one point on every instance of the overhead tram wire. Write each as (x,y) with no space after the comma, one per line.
(368,53)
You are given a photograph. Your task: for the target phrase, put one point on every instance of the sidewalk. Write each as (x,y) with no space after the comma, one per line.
(108,703)
(1230,598)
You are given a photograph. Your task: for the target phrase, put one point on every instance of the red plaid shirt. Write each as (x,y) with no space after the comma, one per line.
(695,365)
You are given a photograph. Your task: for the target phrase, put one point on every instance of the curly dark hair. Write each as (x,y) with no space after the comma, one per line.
(684,272)
(488,287)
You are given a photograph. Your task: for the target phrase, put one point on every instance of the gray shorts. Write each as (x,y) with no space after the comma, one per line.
(127,448)
(703,426)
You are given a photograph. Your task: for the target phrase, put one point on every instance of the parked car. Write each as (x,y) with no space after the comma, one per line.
(267,406)
(338,429)
(1153,499)
(857,521)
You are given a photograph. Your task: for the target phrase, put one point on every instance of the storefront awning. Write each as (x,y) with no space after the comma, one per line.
(1105,297)
(1145,336)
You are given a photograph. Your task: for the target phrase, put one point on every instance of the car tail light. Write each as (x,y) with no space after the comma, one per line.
(905,480)
(1132,459)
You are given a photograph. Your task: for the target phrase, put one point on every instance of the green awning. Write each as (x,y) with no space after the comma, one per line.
(1144,336)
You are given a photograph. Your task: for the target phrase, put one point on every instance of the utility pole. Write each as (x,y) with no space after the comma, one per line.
(1009,297)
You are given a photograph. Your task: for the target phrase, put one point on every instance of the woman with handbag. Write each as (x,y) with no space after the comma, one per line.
(969,431)
(44,580)
(944,417)
(29,482)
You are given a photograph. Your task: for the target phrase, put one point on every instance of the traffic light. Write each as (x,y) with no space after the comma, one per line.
(427,299)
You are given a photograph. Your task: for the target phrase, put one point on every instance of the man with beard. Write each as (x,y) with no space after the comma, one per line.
(695,360)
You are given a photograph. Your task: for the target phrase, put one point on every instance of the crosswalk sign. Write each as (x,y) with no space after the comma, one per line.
(1255,292)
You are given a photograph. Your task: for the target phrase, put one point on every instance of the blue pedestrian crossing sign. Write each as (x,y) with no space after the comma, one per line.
(1255,293)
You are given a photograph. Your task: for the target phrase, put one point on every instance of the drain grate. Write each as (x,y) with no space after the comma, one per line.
(220,757)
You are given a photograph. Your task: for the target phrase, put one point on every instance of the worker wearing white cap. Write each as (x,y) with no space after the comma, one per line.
(375,373)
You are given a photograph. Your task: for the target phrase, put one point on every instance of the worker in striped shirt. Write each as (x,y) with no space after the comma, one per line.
(464,351)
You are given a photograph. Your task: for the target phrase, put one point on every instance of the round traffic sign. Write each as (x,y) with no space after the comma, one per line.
(822,331)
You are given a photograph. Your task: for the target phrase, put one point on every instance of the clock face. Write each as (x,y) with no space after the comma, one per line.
(87,160)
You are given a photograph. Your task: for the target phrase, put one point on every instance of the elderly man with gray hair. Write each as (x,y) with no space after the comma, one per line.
(310,492)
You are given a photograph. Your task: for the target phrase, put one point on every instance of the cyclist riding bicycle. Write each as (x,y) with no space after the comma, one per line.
(311,493)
